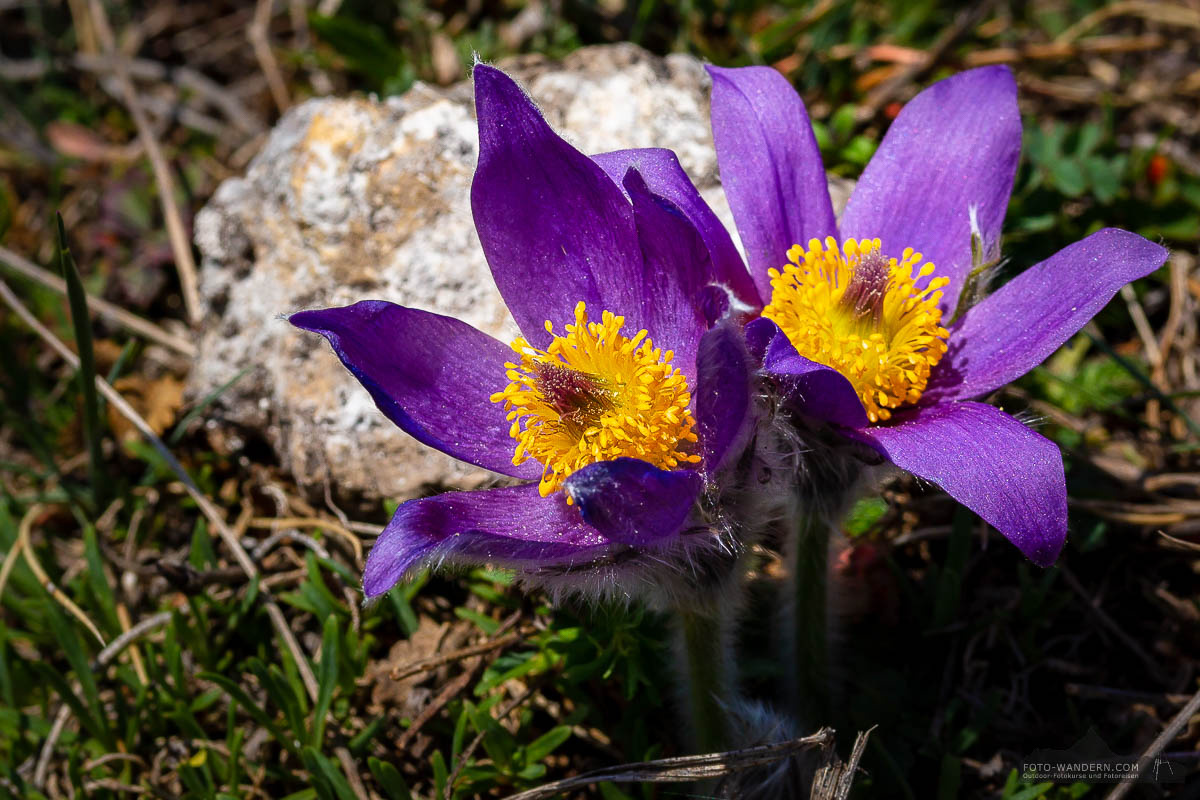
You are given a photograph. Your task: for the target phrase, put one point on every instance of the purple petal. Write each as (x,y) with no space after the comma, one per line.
(724,412)
(814,389)
(431,375)
(954,147)
(554,228)
(1027,319)
(629,501)
(676,270)
(665,177)
(770,166)
(510,526)
(989,462)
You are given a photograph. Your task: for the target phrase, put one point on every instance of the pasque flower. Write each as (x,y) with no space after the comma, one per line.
(623,399)
(861,326)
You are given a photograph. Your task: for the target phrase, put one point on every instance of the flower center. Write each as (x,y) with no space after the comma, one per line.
(595,395)
(860,312)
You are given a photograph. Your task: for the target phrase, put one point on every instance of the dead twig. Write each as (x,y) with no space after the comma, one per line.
(180,246)
(887,91)
(685,768)
(1050,51)
(99,306)
(426,664)
(835,779)
(275,523)
(256,33)
(451,689)
(1165,13)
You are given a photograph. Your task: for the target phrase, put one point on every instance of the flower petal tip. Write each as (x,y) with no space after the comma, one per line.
(394,555)
(498,96)
(486,73)
(1046,553)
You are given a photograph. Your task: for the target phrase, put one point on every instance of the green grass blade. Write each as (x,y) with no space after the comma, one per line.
(67,638)
(326,679)
(329,781)
(82,324)
(208,399)
(1145,381)
(388,778)
(92,724)
(238,695)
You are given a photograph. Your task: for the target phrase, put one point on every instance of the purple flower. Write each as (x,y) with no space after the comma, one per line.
(622,401)
(859,327)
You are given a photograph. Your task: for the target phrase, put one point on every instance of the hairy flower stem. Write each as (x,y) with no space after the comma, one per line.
(705,663)
(808,592)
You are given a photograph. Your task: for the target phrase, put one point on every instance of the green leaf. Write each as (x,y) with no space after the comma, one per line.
(485,623)
(440,774)
(841,124)
(547,743)
(365,47)
(460,729)
(1090,135)
(1068,176)
(238,695)
(365,736)
(92,723)
(497,741)
(68,640)
(281,693)
(303,794)
(950,582)
(863,515)
(950,778)
(859,150)
(610,792)
(97,580)
(388,778)
(181,427)
(329,781)
(1105,178)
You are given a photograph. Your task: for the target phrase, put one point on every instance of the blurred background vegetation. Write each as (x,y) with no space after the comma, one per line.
(964,657)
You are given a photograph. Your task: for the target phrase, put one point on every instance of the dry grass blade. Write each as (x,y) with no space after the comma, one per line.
(180,246)
(1165,13)
(275,523)
(881,95)
(399,673)
(1173,729)
(684,768)
(1180,544)
(835,779)
(257,34)
(21,545)
(99,306)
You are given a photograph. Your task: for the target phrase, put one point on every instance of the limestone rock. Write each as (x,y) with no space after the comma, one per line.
(354,199)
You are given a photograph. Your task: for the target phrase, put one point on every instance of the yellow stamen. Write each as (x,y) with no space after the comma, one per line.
(594,395)
(862,314)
